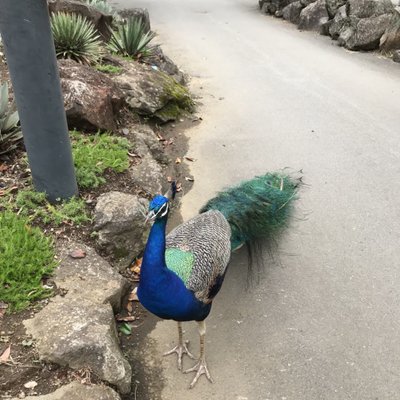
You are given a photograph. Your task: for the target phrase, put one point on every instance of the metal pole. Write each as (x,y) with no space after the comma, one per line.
(29,48)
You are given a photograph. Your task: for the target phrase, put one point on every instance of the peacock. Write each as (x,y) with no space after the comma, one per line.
(183,271)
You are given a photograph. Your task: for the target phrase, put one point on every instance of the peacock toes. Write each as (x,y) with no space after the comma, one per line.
(181,348)
(201,367)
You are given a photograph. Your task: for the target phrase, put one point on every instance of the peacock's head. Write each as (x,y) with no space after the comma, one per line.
(159,206)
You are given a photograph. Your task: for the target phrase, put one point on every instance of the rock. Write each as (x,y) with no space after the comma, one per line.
(313,16)
(78,333)
(119,222)
(153,93)
(100,21)
(390,40)
(275,7)
(332,6)
(306,3)
(91,278)
(165,64)
(339,22)
(78,391)
(91,99)
(369,8)
(396,56)
(148,175)
(140,13)
(145,140)
(364,34)
(292,12)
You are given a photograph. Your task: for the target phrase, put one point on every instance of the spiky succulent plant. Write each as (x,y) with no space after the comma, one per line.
(75,37)
(10,131)
(131,39)
(102,6)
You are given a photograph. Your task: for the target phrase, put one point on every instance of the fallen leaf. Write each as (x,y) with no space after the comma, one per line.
(160,138)
(78,253)
(191,159)
(129,307)
(189,178)
(133,295)
(27,343)
(178,160)
(179,187)
(128,318)
(3,167)
(134,155)
(6,355)
(30,385)
(136,266)
(125,131)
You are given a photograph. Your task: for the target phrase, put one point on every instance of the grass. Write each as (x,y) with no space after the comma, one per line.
(94,154)
(108,69)
(26,256)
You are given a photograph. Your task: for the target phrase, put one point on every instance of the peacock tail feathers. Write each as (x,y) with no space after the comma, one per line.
(256,208)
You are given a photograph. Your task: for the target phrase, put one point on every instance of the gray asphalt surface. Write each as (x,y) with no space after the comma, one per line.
(324,322)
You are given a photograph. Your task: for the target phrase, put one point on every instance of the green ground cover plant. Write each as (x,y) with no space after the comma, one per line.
(26,257)
(94,154)
(108,69)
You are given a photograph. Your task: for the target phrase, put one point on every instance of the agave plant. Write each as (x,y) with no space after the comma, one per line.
(75,37)
(10,132)
(102,6)
(131,39)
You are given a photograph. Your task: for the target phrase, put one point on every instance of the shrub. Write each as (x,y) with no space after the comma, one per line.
(131,39)
(10,131)
(75,37)
(26,256)
(108,69)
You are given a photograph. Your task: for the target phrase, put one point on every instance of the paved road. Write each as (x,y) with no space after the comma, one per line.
(325,321)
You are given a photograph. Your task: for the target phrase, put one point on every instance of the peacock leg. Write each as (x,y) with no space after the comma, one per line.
(201,367)
(181,348)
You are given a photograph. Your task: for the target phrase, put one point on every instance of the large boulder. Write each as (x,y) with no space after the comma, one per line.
(332,6)
(77,329)
(150,92)
(101,21)
(91,99)
(274,7)
(292,12)
(78,333)
(365,33)
(313,17)
(78,391)
(119,222)
(390,40)
(369,8)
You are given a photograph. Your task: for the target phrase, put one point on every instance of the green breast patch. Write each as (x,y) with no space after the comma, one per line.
(181,262)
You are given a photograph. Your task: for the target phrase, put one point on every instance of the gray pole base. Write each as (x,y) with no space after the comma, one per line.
(31,58)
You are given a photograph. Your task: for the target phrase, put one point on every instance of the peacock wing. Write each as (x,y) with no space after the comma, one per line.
(198,251)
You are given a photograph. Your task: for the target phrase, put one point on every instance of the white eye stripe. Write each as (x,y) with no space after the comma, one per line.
(163,210)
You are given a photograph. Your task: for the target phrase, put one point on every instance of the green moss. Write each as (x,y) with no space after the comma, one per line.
(26,256)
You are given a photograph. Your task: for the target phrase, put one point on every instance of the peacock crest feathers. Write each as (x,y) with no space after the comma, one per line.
(256,208)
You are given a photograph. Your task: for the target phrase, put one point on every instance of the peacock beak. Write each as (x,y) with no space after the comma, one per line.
(150,216)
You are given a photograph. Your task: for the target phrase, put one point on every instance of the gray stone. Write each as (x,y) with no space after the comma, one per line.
(333,5)
(306,3)
(151,92)
(339,22)
(92,100)
(137,13)
(292,12)
(396,56)
(78,333)
(91,277)
(313,16)
(390,40)
(119,222)
(148,175)
(369,8)
(365,33)
(78,391)
(145,140)
(100,20)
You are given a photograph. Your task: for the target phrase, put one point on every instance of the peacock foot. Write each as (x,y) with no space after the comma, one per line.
(201,369)
(180,349)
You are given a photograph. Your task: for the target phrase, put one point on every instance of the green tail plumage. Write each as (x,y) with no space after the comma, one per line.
(256,208)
